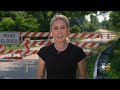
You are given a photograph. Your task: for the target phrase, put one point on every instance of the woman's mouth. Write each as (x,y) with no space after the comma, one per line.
(60,36)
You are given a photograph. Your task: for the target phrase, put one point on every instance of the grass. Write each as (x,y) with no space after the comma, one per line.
(90,60)
(115,64)
(14,47)
(8,47)
(97,30)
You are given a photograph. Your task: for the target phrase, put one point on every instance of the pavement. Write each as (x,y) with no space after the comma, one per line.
(103,39)
(19,69)
(23,69)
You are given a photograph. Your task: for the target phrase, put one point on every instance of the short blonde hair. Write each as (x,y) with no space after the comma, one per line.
(61,17)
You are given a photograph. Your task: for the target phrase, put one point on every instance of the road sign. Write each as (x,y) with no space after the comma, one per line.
(9,38)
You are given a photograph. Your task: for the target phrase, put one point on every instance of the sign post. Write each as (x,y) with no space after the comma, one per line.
(9,38)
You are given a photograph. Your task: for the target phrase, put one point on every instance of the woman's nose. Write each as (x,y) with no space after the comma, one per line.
(60,31)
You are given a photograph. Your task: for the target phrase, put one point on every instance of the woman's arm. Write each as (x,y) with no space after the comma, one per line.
(41,68)
(82,69)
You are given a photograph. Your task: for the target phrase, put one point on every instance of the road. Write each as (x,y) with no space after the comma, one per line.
(24,69)
(103,39)
(19,69)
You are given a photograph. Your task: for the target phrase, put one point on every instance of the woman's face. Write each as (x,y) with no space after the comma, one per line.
(59,30)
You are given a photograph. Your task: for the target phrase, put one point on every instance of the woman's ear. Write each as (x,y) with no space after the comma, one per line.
(68,34)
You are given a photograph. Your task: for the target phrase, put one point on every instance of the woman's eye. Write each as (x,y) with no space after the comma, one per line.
(62,27)
(55,28)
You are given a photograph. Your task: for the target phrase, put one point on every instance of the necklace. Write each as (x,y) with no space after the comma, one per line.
(59,51)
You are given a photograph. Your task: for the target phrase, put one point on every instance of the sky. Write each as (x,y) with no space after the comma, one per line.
(100,17)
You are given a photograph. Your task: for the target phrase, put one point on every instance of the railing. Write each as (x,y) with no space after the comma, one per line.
(103,59)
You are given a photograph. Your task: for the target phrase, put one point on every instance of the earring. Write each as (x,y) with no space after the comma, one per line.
(50,34)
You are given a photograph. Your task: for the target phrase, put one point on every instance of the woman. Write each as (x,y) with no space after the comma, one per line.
(61,58)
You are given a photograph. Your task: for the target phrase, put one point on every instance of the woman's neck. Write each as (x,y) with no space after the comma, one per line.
(61,46)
